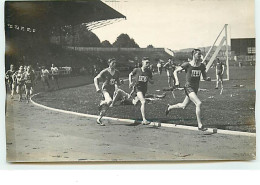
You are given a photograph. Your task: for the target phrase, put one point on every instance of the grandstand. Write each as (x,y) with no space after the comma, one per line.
(28,36)
(28,26)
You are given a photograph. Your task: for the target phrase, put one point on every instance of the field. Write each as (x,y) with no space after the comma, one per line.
(233,110)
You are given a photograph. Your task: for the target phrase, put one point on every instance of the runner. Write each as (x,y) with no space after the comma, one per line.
(142,76)
(29,78)
(55,74)
(159,67)
(45,77)
(193,70)
(170,67)
(18,77)
(219,73)
(110,77)
(9,77)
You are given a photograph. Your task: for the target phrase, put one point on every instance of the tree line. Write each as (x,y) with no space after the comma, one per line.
(82,37)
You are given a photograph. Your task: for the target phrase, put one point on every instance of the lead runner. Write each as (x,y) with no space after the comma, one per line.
(193,70)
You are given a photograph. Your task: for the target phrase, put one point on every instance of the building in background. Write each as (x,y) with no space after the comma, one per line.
(244,49)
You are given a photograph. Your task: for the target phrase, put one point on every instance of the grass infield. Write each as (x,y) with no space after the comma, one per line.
(233,110)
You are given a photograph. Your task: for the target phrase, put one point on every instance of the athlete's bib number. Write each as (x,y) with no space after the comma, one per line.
(142,78)
(112,81)
(195,73)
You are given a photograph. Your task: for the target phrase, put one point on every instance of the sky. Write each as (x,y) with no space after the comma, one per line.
(179,24)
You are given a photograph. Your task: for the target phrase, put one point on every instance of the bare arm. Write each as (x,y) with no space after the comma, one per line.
(175,73)
(204,75)
(130,80)
(96,82)
(165,64)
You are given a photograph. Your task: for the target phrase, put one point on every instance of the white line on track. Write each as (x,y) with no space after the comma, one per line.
(210,130)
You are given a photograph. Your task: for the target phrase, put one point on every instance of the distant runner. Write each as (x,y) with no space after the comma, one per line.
(220,67)
(45,77)
(159,67)
(29,78)
(18,77)
(170,67)
(9,77)
(55,75)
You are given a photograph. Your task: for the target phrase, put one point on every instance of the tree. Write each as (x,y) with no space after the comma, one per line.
(87,38)
(150,46)
(124,41)
(106,44)
(75,36)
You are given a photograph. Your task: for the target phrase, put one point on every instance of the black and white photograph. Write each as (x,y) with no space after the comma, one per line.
(130,81)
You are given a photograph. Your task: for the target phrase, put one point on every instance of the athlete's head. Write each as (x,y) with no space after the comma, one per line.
(11,67)
(29,68)
(111,62)
(196,54)
(145,62)
(21,68)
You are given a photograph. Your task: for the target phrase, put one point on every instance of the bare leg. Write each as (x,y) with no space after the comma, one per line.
(107,102)
(140,96)
(19,92)
(221,82)
(217,81)
(27,91)
(12,91)
(194,98)
(182,105)
(115,98)
(170,81)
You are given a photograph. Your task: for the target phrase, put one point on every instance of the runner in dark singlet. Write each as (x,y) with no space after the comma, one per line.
(110,77)
(193,70)
(142,76)
(29,78)
(19,80)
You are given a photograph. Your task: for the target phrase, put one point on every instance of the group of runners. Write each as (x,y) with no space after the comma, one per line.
(138,83)
(21,81)
(25,78)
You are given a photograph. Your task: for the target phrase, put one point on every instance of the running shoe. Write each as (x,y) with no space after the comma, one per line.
(99,122)
(202,128)
(146,122)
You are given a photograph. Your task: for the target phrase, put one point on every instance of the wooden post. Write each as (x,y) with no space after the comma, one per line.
(227,61)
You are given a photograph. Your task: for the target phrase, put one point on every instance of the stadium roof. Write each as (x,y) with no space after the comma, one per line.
(48,14)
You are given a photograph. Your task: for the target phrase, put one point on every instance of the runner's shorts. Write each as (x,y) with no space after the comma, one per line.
(110,91)
(189,89)
(142,89)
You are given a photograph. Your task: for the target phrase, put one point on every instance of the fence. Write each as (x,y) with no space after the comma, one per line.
(97,49)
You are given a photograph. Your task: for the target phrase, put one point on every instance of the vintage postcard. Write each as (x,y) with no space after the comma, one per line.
(130,80)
